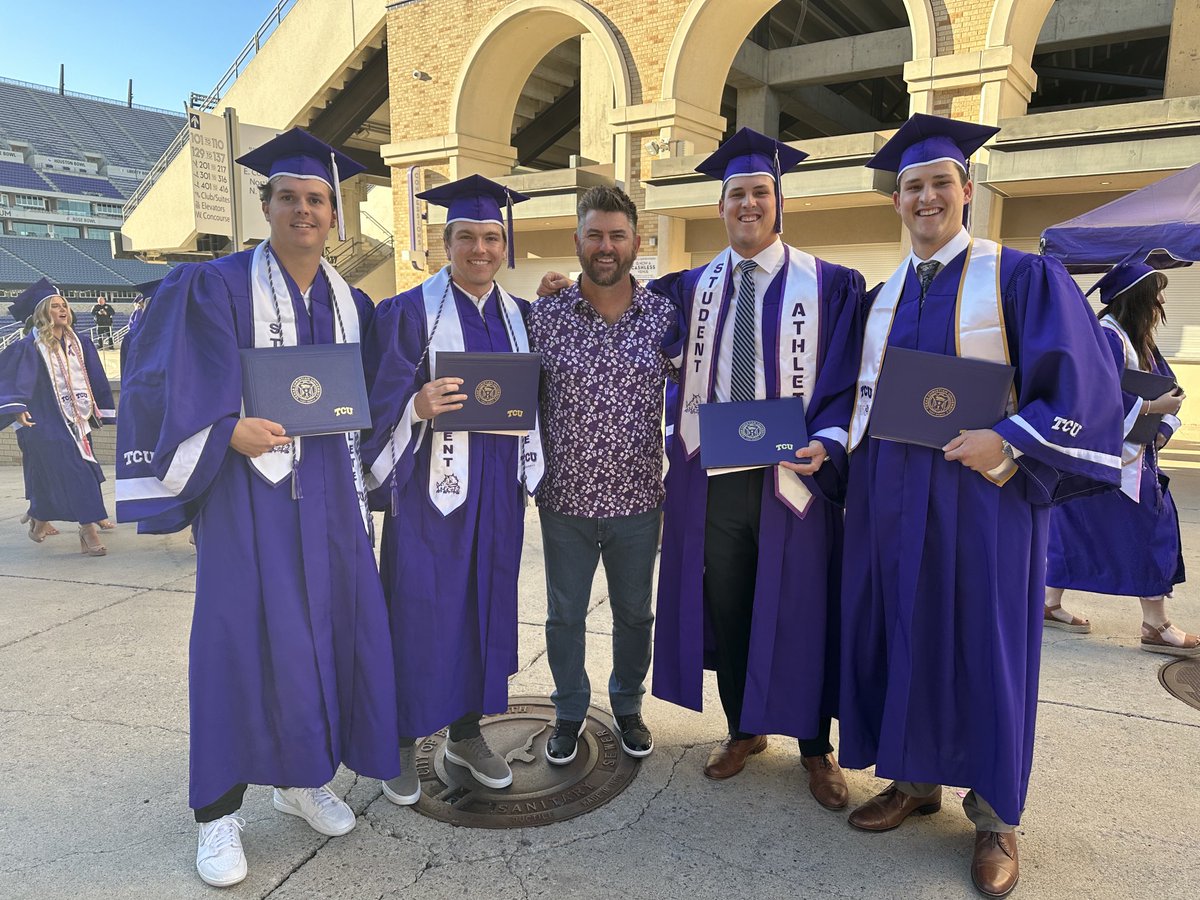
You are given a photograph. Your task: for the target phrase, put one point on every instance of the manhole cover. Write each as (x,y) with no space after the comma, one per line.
(540,793)
(1181,678)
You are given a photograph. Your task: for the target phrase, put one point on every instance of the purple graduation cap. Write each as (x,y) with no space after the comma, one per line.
(22,308)
(300,155)
(750,153)
(1121,278)
(926,139)
(147,288)
(477,199)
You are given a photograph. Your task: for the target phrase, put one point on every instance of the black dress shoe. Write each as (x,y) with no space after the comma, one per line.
(564,742)
(636,739)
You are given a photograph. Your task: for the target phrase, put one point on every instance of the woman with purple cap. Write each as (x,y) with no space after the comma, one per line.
(1127,542)
(53,386)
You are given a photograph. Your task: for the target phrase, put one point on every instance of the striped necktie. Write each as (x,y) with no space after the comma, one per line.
(926,272)
(745,341)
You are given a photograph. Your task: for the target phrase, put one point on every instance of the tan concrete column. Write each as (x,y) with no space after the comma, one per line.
(682,129)
(1183,54)
(672,245)
(758,108)
(595,101)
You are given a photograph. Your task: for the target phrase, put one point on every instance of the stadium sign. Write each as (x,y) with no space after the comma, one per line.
(212,203)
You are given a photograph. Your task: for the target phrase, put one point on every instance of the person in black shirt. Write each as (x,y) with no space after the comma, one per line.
(103,314)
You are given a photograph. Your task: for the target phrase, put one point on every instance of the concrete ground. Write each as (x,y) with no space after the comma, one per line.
(94,761)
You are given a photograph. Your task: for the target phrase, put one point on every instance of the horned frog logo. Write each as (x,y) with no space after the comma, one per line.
(940,402)
(306,390)
(449,485)
(487,392)
(752,430)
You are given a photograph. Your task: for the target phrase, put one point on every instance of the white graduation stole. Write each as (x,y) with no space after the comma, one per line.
(1131,453)
(79,430)
(796,350)
(979,326)
(277,328)
(450,452)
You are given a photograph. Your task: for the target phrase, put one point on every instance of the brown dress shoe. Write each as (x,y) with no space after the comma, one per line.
(994,867)
(825,781)
(888,809)
(729,757)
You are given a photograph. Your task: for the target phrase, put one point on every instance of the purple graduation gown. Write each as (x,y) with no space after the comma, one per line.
(1108,544)
(791,677)
(451,581)
(943,579)
(60,484)
(290,661)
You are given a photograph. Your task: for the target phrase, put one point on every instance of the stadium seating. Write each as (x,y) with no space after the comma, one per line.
(19,175)
(136,271)
(81,184)
(61,263)
(69,126)
(74,127)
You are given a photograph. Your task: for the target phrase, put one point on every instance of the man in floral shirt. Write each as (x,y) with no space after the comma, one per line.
(603,373)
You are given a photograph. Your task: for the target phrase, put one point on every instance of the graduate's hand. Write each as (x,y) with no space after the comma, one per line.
(1160,441)
(439,396)
(979,450)
(25,419)
(253,437)
(1168,404)
(809,459)
(552,283)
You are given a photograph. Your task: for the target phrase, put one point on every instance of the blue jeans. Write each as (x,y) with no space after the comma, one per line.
(573,545)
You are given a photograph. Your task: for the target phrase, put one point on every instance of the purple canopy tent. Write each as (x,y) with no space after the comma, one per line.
(1159,223)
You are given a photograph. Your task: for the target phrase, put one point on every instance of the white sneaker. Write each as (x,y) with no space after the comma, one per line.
(219,857)
(319,807)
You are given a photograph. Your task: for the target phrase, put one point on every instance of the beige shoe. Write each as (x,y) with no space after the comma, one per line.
(89,541)
(1160,639)
(1064,621)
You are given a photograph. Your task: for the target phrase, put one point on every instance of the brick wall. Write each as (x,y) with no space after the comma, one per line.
(961,25)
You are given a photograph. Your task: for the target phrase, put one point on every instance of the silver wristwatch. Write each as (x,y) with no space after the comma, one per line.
(1007,449)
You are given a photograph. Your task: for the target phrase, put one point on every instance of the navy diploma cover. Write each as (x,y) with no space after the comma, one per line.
(1148,386)
(753,433)
(928,398)
(501,389)
(310,389)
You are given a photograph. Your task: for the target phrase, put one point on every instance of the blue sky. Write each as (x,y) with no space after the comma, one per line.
(169,48)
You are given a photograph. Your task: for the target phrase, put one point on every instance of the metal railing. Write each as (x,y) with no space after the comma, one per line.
(11,333)
(209,100)
(109,100)
(374,221)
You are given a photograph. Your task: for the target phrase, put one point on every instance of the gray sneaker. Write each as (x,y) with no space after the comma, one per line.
(405,789)
(474,753)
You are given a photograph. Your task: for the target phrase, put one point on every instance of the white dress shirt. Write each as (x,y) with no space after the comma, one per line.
(946,254)
(769,260)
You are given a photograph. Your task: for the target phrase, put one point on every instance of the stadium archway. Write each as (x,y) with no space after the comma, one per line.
(507,51)
(711,32)
(1017,23)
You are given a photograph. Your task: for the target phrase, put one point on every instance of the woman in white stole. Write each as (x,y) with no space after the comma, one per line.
(1127,542)
(53,387)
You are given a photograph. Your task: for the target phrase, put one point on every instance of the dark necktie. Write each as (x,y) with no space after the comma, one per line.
(745,344)
(926,272)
